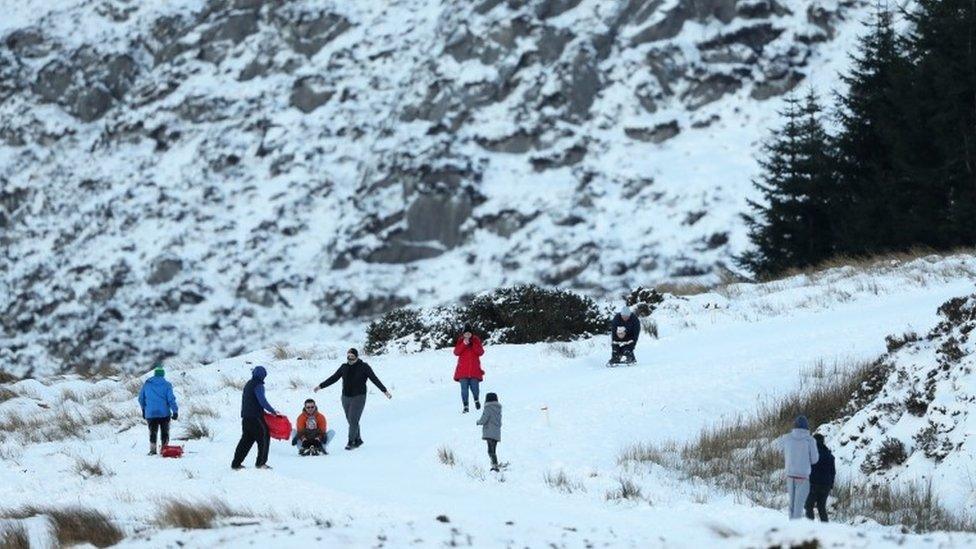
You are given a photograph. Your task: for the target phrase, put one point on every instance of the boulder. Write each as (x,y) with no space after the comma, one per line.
(308,32)
(29,43)
(658,134)
(551,8)
(711,89)
(90,104)
(309,93)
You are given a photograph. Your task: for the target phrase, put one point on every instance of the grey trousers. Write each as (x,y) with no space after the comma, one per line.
(353,407)
(799,489)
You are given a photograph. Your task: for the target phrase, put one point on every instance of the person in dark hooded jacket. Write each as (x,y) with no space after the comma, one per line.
(822,475)
(624,332)
(253,427)
(354,373)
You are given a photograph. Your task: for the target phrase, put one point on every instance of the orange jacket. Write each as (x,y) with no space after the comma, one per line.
(319,421)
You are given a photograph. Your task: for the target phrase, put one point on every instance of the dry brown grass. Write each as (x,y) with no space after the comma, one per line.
(561,482)
(74,525)
(626,490)
(193,515)
(446,456)
(13,535)
(195,429)
(58,424)
(7,394)
(201,411)
(231,383)
(91,468)
(873,262)
(683,288)
(7,377)
(282,351)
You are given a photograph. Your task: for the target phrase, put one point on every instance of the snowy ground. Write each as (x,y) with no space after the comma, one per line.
(718,356)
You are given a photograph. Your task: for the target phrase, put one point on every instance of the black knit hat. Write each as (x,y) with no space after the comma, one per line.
(353,351)
(491,397)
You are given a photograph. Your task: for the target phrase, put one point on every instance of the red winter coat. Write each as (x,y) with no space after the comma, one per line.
(469,361)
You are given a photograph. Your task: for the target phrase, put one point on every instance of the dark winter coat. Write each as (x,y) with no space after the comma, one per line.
(253,401)
(491,421)
(632,325)
(354,378)
(157,399)
(469,359)
(823,471)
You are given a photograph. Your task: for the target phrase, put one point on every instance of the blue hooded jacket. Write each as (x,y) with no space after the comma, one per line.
(157,399)
(253,402)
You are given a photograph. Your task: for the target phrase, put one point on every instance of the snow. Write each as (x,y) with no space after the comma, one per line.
(719,356)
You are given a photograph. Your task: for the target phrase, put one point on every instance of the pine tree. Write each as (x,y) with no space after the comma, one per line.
(791,228)
(874,194)
(942,46)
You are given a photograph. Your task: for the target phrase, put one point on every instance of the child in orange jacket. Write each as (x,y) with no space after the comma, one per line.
(311,427)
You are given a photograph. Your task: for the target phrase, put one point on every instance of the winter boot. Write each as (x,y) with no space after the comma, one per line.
(152,449)
(477,404)
(304,451)
(465,410)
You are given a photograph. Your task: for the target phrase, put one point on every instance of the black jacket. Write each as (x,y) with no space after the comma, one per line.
(354,378)
(823,471)
(632,325)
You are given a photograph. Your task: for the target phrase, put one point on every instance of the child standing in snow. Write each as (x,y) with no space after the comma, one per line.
(491,430)
(158,405)
(800,450)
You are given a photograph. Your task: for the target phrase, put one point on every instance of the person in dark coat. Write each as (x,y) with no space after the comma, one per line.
(354,373)
(253,427)
(624,332)
(158,404)
(468,372)
(821,480)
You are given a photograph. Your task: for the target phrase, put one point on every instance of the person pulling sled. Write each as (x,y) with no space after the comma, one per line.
(624,332)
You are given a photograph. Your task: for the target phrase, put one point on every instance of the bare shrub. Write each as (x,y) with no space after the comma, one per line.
(7,394)
(193,515)
(446,456)
(7,377)
(565,350)
(889,454)
(893,342)
(230,383)
(650,326)
(195,429)
(74,525)
(13,535)
(626,490)
(281,351)
(561,482)
(200,411)
(92,467)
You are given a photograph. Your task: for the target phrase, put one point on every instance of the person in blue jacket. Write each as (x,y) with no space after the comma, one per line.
(253,427)
(158,405)
(821,480)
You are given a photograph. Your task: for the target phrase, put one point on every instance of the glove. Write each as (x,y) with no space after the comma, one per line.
(176,416)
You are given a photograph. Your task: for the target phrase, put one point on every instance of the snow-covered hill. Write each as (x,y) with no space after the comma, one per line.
(719,356)
(198,177)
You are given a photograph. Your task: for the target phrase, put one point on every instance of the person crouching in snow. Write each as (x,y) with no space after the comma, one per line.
(624,332)
(158,405)
(311,427)
(491,430)
(253,427)
(800,451)
(468,372)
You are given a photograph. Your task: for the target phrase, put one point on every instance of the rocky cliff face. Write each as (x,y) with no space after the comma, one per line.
(196,177)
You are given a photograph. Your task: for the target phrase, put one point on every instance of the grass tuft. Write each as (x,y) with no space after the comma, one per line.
(74,525)
(193,515)
(91,468)
(446,456)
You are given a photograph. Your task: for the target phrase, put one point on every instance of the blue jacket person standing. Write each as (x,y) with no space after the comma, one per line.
(253,427)
(158,405)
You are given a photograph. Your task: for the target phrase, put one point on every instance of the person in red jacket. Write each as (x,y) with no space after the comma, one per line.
(468,373)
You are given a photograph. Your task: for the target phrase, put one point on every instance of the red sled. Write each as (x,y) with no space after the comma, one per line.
(279,427)
(172,451)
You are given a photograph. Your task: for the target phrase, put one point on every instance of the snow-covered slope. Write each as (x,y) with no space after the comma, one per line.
(718,356)
(199,177)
